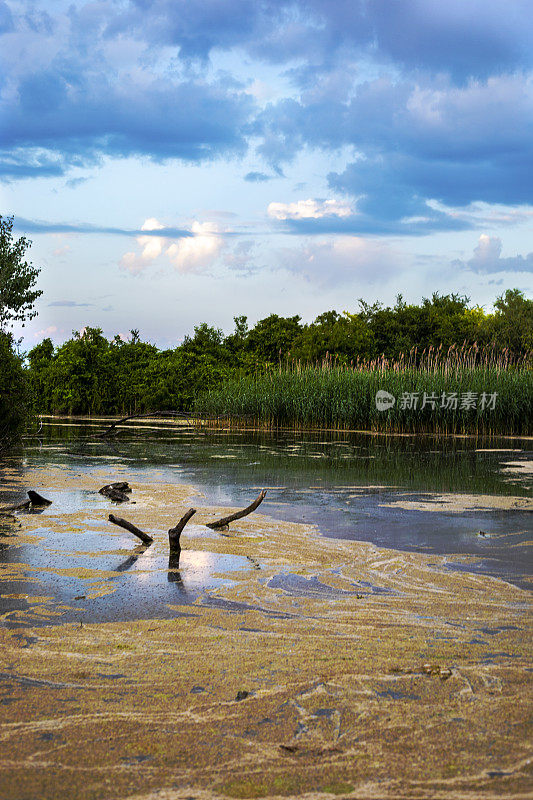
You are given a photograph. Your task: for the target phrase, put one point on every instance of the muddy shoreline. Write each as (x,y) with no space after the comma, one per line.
(313,668)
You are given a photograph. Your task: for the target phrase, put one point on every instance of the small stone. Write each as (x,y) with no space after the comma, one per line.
(289,748)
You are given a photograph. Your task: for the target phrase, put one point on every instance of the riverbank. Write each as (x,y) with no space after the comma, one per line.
(323,668)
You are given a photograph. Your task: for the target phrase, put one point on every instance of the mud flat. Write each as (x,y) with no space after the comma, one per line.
(302,666)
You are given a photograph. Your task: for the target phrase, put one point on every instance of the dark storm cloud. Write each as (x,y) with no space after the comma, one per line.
(474,38)
(37,226)
(450,117)
(427,221)
(257,177)
(76,119)
(6,19)
(416,142)
(70,304)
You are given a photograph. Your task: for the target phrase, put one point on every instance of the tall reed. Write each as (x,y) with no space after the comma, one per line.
(460,390)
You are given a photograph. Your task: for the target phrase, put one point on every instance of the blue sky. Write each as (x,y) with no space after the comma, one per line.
(180,161)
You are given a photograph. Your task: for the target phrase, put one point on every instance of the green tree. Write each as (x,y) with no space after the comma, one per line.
(17,277)
(17,296)
(513,321)
(40,362)
(81,375)
(129,365)
(272,337)
(344,337)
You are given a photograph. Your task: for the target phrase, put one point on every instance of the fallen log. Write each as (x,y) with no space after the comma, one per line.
(144,537)
(38,500)
(221,523)
(175,533)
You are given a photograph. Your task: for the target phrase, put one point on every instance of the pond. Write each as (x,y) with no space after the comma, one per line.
(462,498)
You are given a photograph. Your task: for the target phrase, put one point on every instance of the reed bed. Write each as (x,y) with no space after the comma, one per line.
(467,390)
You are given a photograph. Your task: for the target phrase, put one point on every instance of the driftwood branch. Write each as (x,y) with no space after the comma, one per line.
(37,499)
(192,420)
(112,429)
(175,533)
(144,537)
(221,523)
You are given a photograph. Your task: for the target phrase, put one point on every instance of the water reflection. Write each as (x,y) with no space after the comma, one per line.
(64,577)
(124,566)
(345,484)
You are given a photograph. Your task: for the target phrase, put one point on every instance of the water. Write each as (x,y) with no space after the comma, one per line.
(348,485)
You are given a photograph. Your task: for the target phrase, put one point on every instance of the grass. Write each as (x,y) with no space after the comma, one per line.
(333,395)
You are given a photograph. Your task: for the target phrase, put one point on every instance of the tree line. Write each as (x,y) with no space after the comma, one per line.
(90,374)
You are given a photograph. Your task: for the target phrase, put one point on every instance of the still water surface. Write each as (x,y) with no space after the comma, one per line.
(347,485)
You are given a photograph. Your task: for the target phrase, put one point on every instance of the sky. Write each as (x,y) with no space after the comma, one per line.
(184,161)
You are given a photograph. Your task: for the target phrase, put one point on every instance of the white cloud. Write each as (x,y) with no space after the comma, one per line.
(61,251)
(309,209)
(131,262)
(195,253)
(189,254)
(488,250)
(343,260)
(152,247)
(487,258)
(45,332)
(479,214)
(240,257)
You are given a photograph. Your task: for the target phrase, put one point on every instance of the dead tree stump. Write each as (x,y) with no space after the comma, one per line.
(175,533)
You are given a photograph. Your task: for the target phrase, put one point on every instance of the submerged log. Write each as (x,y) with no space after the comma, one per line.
(112,429)
(37,499)
(175,533)
(144,537)
(120,486)
(222,523)
(116,491)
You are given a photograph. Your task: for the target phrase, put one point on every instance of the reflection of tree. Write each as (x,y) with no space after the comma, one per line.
(130,561)
(174,574)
